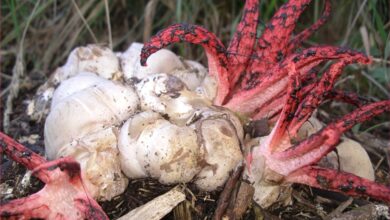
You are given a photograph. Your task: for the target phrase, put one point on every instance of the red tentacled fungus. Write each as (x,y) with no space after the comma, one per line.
(253,76)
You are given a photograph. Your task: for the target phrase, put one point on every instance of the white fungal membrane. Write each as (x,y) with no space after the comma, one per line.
(73,85)
(208,149)
(82,123)
(128,145)
(91,58)
(170,129)
(168,95)
(179,136)
(222,153)
(191,73)
(161,150)
(163,61)
(94,108)
(94,59)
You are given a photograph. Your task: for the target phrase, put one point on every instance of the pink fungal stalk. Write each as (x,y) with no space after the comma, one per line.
(64,195)
(253,76)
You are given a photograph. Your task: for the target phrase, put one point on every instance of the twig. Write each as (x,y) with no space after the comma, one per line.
(380,87)
(379,163)
(84,21)
(388,155)
(379,60)
(386,25)
(371,143)
(339,209)
(242,199)
(224,197)
(108,20)
(5,91)
(158,207)
(5,76)
(17,72)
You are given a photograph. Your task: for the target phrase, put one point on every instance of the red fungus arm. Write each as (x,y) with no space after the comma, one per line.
(23,155)
(347,97)
(275,42)
(330,135)
(260,89)
(242,44)
(274,107)
(321,89)
(64,195)
(272,45)
(285,159)
(215,51)
(297,40)
(340,182)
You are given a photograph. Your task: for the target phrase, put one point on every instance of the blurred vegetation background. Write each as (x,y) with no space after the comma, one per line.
(37,35)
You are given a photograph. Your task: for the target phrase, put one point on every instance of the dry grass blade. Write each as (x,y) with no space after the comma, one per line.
(5,91)
(70,32)
(17,72)
(351,27)
(150,11)
(96,9)
(84,21)
(365,39)
(108,20)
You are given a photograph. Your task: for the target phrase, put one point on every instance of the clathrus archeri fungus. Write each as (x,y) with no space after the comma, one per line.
(253,76)
(64,195)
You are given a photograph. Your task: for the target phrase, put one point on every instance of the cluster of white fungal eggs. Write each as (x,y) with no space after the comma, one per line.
(121,120)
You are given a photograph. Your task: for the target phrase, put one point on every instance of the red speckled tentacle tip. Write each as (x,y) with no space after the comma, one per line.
(273,44)
(64,195)
(242,45)
(215,51)
(298,39)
